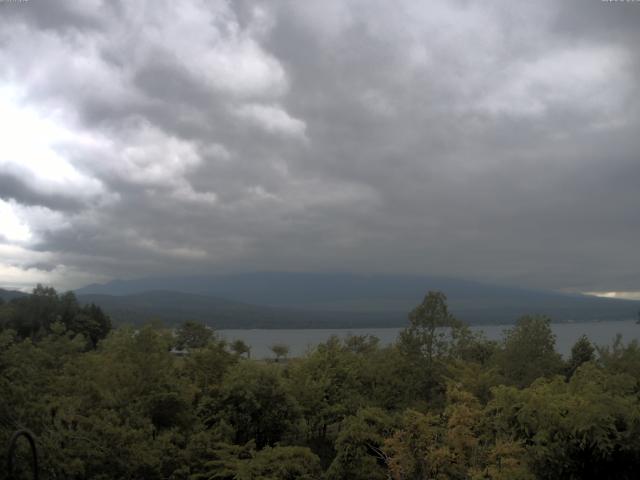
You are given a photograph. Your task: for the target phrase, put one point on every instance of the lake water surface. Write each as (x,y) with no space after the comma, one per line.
(302,340)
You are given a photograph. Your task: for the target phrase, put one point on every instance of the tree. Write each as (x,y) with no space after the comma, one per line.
(361,343)
(280,350)
(528,351)
(418,449)
(253,400)
(91,322)
(243,462)
(588,427)
(428,344)
(328,386)
(621,358)
(281,463)
(193,335)
(581,352)
(34,313)
(68,308)
(239,347)
(359,454)
(205,367)
(453,444)
(431,328)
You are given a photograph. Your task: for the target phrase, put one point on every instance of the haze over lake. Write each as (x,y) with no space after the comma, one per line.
(301,340)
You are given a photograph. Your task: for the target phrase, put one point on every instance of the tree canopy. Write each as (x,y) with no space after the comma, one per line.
(439,403)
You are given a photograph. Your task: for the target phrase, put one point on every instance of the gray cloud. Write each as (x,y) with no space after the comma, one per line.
(496,141)
(16,186)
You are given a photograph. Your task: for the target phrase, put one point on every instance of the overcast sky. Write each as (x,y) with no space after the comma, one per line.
(497,141)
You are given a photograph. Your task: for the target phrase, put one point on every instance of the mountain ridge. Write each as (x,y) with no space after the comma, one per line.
(331,298)
(174,307)
(7,294)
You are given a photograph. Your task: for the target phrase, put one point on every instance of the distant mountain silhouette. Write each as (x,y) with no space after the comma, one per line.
(172,307)
(7,295)
(276,299)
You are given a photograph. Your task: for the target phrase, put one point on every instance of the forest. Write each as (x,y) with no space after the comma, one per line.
(440,403)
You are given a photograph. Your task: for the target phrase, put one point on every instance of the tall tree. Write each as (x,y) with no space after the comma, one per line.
(581,352)
(528,351)
(193,335)
(431,328)
(359,454)
(428,343)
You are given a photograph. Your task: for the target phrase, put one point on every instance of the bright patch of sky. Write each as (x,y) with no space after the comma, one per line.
(622,295)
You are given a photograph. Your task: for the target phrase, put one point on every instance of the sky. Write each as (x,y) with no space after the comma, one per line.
(496,141)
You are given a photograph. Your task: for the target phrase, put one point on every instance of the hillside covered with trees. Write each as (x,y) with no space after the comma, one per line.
(440,403)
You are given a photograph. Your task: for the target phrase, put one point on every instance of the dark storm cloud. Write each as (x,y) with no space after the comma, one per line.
(489,141)
(13,186)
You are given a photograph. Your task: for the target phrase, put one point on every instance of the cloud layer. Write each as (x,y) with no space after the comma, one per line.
(490,141)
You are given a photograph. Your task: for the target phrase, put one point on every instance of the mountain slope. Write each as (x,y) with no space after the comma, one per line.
(380,298)
(174,307)
(7,295)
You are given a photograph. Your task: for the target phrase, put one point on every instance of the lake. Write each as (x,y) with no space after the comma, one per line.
(302,340)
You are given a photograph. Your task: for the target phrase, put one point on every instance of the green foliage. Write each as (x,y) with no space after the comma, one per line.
(358,446)
(431,329)
(587,428)
(281,463)
(280,351)
(244,462)
(581,352)
(439,404)
(192,335)
(224,461)
(33,316)
(433,338)
(254,402)
(239,347)
(206,366)
(529,351)
(621,358)
(452,444)
(326,387)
